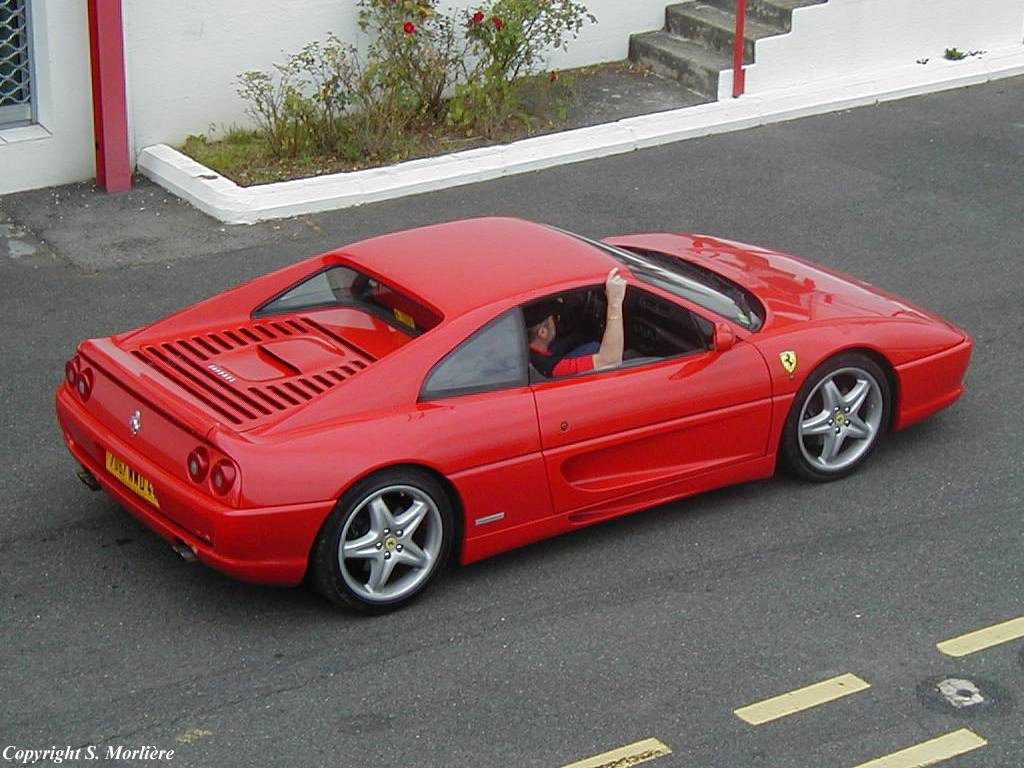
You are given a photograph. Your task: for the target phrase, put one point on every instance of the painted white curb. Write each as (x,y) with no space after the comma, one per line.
(224,200)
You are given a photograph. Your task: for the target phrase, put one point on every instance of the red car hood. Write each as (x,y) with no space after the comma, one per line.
(793,290)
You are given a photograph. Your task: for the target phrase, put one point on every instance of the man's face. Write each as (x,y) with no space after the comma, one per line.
(548,328)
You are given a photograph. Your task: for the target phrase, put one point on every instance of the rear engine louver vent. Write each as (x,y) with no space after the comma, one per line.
(187,362)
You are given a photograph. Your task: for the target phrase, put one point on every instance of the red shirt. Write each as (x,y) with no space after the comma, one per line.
(567,366)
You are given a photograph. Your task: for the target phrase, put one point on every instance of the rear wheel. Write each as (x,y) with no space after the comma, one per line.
(837,419)
(386,539)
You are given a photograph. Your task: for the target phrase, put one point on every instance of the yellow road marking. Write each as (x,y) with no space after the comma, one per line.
(192,735)
(804,698)
(983,638)
(629,755)
(930,752)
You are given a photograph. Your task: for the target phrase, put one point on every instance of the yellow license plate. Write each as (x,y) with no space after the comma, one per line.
(137,482)
(403,318)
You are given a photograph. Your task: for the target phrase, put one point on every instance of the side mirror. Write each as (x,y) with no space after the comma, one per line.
(725,339)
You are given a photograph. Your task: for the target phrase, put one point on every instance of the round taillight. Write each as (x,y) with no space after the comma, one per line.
(71,372)
(84,383)
(222,477)
(198,463)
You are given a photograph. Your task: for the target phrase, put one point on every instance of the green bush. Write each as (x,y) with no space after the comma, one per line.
(424,69)
(302,110)
(508,39)
(415,53)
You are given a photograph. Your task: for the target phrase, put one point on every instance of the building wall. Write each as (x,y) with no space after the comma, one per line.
(844,37)
(183,57)
(59,148)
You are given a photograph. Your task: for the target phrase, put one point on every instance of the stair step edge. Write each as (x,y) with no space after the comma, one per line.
(682,48)
(722,20)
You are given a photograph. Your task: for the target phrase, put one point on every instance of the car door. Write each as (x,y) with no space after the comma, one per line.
(634,429)
(483,428)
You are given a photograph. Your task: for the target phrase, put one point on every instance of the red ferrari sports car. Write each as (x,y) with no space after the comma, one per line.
(466,388)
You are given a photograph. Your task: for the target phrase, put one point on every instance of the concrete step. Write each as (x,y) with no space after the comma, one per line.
(695,65)
(715,27)
(777,13)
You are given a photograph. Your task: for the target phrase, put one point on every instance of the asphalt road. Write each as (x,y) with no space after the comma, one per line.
(659,625)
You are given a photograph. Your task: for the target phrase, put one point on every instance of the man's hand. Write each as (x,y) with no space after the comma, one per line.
(615,291)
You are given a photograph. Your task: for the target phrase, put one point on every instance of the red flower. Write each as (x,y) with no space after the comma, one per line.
(478,18)
(410,28)
(554,75)
(497,22)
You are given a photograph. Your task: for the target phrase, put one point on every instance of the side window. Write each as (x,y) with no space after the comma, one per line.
(493,358)
(654,328)
(659,328)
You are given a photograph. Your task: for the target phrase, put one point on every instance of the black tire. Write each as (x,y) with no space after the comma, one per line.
(349,581)
(804,453)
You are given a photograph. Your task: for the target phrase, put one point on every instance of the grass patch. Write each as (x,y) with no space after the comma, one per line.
(244,155)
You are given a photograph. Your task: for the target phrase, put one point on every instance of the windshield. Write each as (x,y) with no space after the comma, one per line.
(703,287)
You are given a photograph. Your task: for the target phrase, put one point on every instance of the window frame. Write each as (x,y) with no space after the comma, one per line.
(425,395)
(639,287)
(625,256)
(527,380)
(23,114)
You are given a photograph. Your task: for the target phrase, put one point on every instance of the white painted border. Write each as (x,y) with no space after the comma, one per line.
(224,200)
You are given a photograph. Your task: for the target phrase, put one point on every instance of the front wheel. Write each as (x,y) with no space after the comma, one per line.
(837,419)
(386,539)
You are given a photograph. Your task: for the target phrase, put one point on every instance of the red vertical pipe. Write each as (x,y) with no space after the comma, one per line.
(739,75)
(109,100)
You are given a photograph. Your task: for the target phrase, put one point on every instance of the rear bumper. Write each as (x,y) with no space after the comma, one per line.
(932,383)
(268,545)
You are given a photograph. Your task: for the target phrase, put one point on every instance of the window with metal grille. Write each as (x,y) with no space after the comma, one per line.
(15,62)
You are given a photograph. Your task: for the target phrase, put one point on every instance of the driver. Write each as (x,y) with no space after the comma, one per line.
(541,330)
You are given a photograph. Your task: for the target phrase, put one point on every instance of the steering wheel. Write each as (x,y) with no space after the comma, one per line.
(582,312)
(593,309)
(570,313)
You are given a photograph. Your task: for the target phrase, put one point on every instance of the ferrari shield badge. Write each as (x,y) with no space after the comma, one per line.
(788,359)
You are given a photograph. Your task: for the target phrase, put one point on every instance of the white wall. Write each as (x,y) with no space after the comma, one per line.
(182,59)
(184,56)
(608,40)
(846,37)
(61,147)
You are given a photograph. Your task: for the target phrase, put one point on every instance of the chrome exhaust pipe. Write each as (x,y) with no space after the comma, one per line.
(89,479)
(184,551)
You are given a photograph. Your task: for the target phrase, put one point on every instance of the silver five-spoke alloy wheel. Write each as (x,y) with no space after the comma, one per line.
(390,544)
(840,419)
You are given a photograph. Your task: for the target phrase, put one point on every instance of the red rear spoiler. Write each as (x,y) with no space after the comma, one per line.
(138,378)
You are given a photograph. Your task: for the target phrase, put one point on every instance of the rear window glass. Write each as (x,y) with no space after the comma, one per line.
(346,287)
